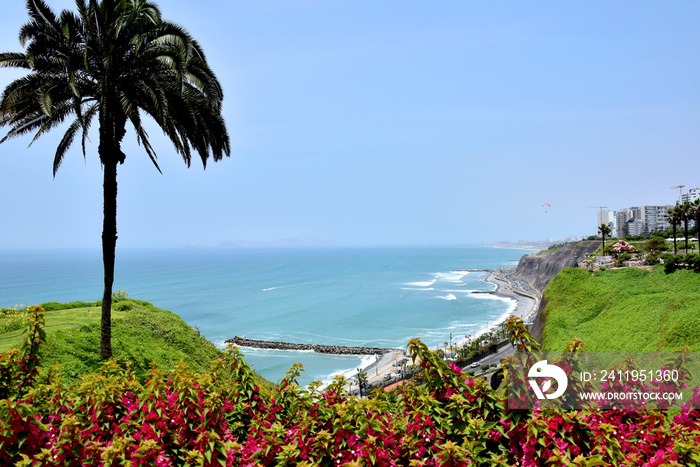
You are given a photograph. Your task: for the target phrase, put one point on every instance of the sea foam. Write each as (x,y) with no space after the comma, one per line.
(449,296)
(422,284)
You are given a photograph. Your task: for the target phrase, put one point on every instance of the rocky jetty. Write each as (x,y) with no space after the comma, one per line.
(327,349)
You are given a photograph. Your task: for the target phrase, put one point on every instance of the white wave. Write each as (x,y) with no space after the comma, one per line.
(416,288)
(449,296)
(348,373)
(271,288)
(489,296)
(453,276)
(422,284)
(463,272)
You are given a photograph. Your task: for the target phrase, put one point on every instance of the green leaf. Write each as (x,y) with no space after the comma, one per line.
(595,461)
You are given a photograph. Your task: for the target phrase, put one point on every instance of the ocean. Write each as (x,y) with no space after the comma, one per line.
(375,297)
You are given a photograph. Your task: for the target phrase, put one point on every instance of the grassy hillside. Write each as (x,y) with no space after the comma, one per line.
(141,333)
(627,310)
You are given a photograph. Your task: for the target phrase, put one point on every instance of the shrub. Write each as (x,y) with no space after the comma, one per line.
(671,262)
(223,418)
(123,306)
(619,261)
(689,261)
(13,319)
(693,261)
(652,258)
(55,306)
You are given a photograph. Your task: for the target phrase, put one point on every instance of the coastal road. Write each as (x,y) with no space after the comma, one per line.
(526,306)
(496,357)
(390,363)
(490,360)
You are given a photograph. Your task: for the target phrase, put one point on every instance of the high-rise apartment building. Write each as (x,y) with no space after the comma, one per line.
(654,218)
(692,195)
(636,220)
(639,220)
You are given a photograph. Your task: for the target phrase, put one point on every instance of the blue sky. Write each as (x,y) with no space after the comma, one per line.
(393,123)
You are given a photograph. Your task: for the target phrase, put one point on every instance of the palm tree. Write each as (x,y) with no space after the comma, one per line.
(684,211)
(603,230)
(673,217)
(113,60)
(695,214)
(362,381)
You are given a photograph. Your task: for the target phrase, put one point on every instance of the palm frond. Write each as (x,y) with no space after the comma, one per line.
(65,143)
(142,138)
(43,19)
(14,59)
(118,48)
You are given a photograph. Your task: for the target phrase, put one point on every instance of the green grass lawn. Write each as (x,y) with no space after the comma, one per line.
(58,320)
(623,310)
(141,334)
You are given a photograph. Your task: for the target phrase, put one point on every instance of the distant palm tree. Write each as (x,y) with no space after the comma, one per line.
(603,230)
(695,214)
(684,211)
(673,217)
(112,60)
(362,381)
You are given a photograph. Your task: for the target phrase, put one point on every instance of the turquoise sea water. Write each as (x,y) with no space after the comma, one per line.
(379,297)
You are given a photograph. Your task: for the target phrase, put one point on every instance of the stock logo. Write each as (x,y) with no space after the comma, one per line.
(542,369)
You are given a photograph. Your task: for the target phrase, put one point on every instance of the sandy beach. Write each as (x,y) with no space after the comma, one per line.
(526,299)
(525,307)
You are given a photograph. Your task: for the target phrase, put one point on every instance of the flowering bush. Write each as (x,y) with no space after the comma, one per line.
(223,418)
(12,319)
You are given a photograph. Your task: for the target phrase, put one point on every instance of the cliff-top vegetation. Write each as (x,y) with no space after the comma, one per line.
(630,310)
(223,418)
(142,333)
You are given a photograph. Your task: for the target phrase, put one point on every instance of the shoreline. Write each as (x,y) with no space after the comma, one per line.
(525,307)
(521,304)
(526,303)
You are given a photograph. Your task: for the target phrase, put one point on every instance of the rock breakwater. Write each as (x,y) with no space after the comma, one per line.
(326,349)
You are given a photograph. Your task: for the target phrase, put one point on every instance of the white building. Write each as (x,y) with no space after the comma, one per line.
(654,218)
(641,220)
(647,219)
(692,195)
(635,227)
(621,218)
(608,218)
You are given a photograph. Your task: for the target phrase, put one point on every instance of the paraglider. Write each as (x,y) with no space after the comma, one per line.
(548,206)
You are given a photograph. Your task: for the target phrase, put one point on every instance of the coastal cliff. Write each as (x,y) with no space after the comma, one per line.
(538,269)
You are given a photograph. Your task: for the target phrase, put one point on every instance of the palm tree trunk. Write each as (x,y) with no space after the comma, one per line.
(675,249)
(603,235)
(109,244)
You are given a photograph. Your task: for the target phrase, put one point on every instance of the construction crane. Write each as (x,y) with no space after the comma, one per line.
(680,196)
(601,210)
